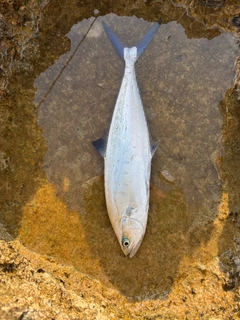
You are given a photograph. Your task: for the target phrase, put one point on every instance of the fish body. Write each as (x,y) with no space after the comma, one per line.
(127,153)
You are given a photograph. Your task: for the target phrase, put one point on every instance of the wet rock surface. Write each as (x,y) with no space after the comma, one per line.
(194,274)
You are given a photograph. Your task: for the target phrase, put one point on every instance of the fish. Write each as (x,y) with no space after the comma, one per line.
(127,150)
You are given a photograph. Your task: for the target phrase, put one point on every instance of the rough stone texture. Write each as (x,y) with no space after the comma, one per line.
(199,278)
(34,286)
(37,287)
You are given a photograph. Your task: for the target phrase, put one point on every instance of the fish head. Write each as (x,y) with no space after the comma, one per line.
(132,233)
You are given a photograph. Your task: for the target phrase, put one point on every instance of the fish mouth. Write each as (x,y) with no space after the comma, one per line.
(134,249)
(127,251)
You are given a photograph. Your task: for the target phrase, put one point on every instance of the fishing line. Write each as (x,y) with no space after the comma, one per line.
(166,35)
(149,51)
(137,63)
(65,66)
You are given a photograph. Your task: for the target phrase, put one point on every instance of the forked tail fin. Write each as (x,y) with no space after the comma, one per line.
(116,42)
(147,38)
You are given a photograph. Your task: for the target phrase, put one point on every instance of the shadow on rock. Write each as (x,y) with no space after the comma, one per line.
(150,273)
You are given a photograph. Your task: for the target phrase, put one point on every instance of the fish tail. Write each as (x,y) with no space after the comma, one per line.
(119,47)
(116,42)
(147,38)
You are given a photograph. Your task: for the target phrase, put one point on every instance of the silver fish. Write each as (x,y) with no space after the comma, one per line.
(127,153)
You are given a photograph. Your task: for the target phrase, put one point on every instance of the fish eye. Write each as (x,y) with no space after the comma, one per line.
(125,242)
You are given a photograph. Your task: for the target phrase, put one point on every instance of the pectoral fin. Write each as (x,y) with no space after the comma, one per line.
(154,146)
(100,145)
